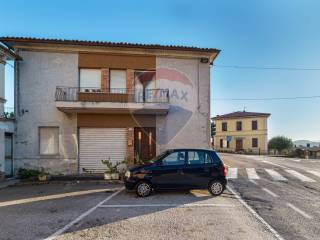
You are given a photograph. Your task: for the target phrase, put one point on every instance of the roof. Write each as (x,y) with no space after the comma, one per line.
(9,53)
(241,114)
(312,149)
(9,40)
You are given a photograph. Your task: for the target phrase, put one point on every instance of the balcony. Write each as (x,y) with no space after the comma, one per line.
(116,100)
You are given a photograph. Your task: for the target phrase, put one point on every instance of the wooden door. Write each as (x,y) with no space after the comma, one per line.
(144,142)
(239,144)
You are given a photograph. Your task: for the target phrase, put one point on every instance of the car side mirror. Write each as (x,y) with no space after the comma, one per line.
(159,163)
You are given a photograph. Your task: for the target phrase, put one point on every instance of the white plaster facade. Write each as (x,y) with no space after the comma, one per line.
(39,74)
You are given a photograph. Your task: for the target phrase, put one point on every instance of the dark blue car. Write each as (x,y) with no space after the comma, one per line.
(179,169)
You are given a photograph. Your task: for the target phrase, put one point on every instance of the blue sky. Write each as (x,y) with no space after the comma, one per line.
(273,33)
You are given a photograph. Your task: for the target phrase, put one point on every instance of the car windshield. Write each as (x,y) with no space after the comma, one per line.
(156,158)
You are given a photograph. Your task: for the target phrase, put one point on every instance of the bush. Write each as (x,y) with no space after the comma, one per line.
(28,173)
(280,143)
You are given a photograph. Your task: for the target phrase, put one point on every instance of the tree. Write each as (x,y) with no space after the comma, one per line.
(280,143)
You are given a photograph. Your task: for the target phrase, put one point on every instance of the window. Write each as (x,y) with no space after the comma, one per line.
(224,126)
(228,144)
(239,125)
(254,125)
(198,157)
(90,78)
(49,140)
(118,81)
(254,142)
(221,143)
(175,158)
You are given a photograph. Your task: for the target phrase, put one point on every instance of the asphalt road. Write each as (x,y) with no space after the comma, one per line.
(104,211)
(284,192)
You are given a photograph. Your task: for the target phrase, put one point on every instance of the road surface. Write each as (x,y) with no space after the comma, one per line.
(284,192)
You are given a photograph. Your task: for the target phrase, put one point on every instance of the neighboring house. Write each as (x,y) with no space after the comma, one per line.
(241,132)
(306,152)
(6,121)
(78,102)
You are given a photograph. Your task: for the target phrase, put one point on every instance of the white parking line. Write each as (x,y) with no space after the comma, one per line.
(83,215)
(232,173)
(167,205)
(254,213)
(275,175)
(252,174)
(300,176)
(270,192)
(306,215)
(316,173)
(52,197)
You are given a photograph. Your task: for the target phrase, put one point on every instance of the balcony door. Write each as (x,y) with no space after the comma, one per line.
(118,81)
(145,85)
(90,80)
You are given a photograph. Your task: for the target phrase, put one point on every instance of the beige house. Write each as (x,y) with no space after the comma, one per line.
(78,102)
(241,132)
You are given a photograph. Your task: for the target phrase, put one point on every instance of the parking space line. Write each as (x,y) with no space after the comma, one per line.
(254,213)
(304,214)
(252,174)
(83,215)
(270,192)
(300,176)
(167,205)
(52,197)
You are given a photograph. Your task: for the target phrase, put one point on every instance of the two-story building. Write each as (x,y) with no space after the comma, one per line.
(78,102)
(241,132)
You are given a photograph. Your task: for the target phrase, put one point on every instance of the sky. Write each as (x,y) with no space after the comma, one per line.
(260,34)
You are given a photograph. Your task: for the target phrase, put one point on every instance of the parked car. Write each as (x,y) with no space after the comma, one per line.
(179,169)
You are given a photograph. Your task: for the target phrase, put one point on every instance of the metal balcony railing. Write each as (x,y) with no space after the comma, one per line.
(75,94)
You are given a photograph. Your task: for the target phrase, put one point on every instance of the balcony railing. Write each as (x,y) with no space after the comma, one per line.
(123,95)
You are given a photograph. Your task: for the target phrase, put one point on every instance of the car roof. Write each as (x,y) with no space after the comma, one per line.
(190,149)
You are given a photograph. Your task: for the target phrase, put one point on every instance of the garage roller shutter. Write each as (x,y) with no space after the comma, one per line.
(101,143)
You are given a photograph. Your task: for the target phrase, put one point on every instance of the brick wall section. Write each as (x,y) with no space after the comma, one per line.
(105,78)
(130,79)
(130,147)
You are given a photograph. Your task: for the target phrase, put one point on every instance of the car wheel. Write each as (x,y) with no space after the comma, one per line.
(216,187)
(143,189)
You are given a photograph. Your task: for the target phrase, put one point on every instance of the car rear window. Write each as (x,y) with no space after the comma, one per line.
(215,157)
(198,157)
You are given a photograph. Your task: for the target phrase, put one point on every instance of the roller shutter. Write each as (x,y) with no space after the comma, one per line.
(101,143)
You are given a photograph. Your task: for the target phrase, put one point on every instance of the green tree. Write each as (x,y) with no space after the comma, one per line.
(280,143)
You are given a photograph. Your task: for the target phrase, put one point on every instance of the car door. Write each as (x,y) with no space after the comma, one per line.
(168,173)
(199,168)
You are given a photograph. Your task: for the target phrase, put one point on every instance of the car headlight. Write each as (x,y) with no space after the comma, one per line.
(127,174)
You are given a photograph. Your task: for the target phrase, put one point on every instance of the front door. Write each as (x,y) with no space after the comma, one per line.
(169,173)
(144,142)
(239,144)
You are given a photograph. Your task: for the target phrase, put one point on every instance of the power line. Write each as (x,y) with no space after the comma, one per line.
(267,68)
(266,99)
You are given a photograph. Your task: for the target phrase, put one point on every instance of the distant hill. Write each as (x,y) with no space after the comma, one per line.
(304,143)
